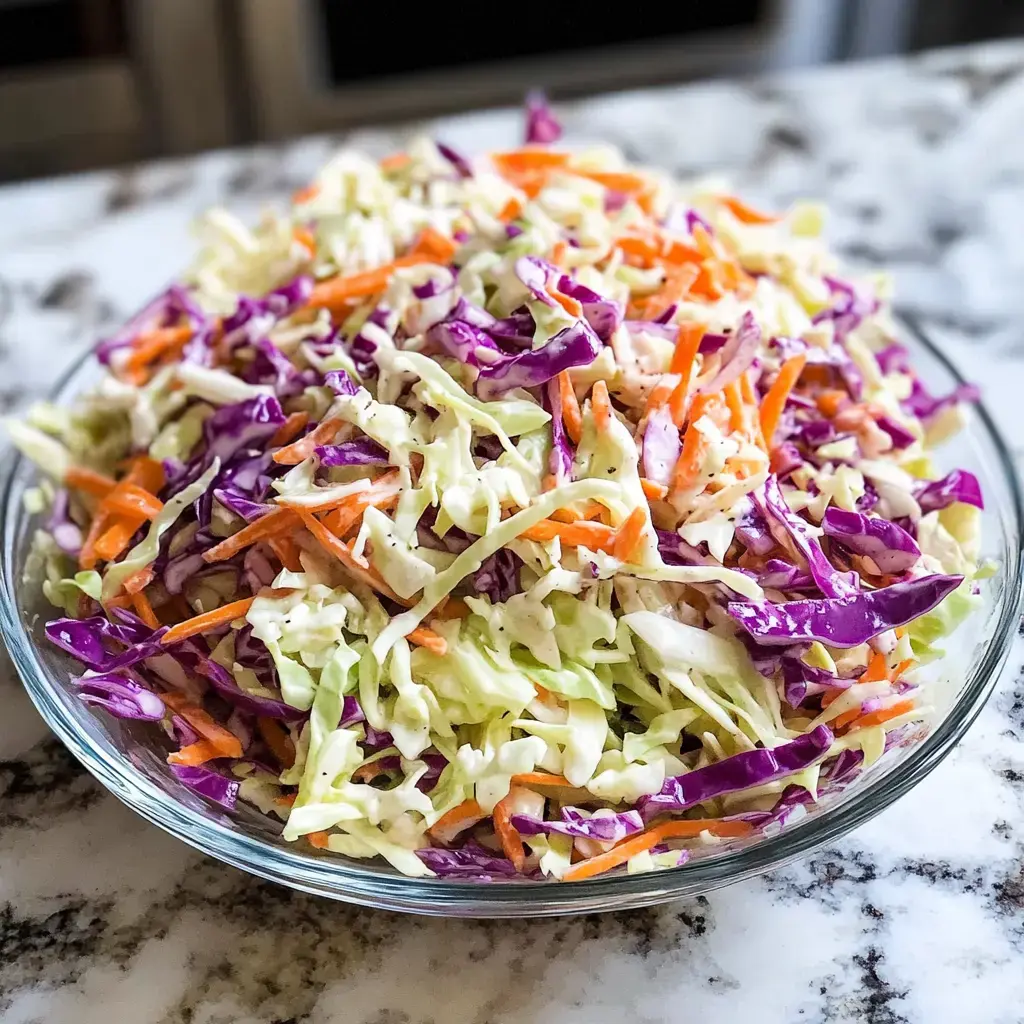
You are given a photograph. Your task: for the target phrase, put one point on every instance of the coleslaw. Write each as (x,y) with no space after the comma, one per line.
(525,516)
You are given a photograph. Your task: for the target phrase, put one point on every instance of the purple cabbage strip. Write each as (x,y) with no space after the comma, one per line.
(363,451)
(661,446)
(603,315)
(959,485)
(576,345)
(121,696)
(740,771)
(561,457)
(737,354)
(208,783)
(66,534)
(456,159)
(340,382)
(830,581)
(86,640)
(843,621)
(469,862)
(247,424)
(888,545)
(611,828)
(541,124)
(498,577)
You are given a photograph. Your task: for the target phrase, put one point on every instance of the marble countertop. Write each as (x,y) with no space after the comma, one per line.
(917,917)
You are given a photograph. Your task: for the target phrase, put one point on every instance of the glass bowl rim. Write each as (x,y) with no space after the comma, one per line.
(345,880)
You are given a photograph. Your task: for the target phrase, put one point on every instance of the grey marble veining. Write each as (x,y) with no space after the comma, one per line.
(918,917)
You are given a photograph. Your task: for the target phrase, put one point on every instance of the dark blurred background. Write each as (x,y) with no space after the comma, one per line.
(86,83)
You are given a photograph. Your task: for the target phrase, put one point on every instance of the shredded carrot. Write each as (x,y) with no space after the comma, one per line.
(286,551)
(510,211)
(97,484)
(289,430)
(395,162)
(617,181)
(278,742)
(208,621)
(452,608)
(345,513)
(691,458)
(145,610)
(510,839)
(567,302)
(830,401)
(558,254)
(194,754)
(629,848)
(879,717)
(424,637)
(540,778)
(319,840)
(612,859)
(877,669)
(574,514)
(276,521)
(902,667)
(595,536)
(687,346)
(432,243)
(746,214)
(147,473)
(357,567)
(468,813)
(305,238)
(684,361)
(653,491)
(629,535)
(88,556)
(737,410)
(151,345)
(299,451)
(775,400)
(138,581)
(133,501)
(600,405)
(336,293)
(117,537)
(527,159)
(572,418)
(304,195)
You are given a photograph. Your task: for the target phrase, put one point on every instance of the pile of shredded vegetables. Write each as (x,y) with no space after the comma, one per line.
(528,516)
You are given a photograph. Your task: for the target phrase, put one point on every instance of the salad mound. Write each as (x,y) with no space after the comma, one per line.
(529,516)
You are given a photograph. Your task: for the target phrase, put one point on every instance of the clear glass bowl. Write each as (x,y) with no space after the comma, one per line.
(129,758)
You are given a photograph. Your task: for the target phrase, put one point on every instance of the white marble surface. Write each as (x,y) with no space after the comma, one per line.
(918,917)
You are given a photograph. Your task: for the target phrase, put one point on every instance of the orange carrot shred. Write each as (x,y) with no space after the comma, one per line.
(424,637)
(129,500)
(208,621)
(286,551)
(117,537)
(629,535)
(775,400)
(304,195)
(510,840)
(884,715)
(305,238)
(653,491)
(277,520)
(319,840)
(97,484)
(539,779)
(289,430)
(139,580)
(510,211)
(395,162)
(432,243)
(571,415)
(600,405)
(746,214)
(357,567)
(595,536)
(145,610)
(466,814)
(194,754)
(567,302)
(299,451)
